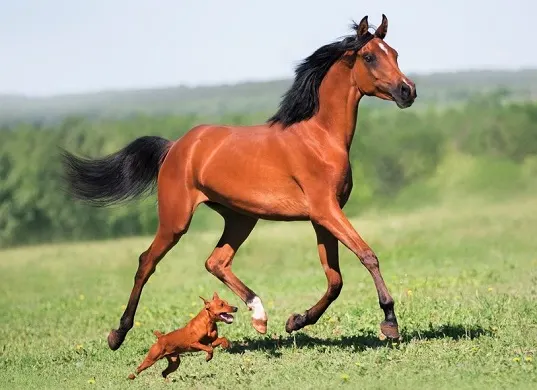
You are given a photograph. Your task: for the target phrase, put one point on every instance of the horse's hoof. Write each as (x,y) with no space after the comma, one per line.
(390,330)
(132,377)
(115,339)
(295,322)
(259,325)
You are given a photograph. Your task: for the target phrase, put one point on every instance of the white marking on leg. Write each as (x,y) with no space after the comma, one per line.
(258,310)
(383,48)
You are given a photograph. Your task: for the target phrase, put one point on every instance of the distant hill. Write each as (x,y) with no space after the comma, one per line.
(437,88)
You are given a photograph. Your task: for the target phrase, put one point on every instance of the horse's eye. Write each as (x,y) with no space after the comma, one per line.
(368,58)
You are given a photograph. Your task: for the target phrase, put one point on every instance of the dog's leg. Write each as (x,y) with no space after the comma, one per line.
(206,348)
(156,352)
(221,341)
(173,365)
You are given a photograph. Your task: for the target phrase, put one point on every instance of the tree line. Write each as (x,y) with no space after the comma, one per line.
(396,155)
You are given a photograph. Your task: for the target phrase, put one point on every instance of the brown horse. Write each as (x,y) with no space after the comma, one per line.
(293,168)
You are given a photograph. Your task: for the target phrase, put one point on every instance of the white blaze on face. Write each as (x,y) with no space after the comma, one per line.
(407,82)
(383,48)
(258,310)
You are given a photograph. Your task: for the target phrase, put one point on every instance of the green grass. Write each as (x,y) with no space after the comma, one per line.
(464,278)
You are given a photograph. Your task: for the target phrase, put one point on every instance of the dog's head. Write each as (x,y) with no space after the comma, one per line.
(219,310)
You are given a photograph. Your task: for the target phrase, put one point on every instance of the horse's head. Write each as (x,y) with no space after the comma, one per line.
(376,72)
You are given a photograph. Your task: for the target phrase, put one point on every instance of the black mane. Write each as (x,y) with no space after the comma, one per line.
(301,101)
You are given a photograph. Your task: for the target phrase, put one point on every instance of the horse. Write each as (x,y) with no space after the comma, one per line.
(293,167)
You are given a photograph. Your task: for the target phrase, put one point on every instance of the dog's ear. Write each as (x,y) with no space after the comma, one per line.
(204,300)
(215,296)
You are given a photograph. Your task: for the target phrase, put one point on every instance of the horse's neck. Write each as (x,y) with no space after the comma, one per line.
(338,104)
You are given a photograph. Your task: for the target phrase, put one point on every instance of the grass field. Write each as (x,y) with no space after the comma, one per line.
(464,278)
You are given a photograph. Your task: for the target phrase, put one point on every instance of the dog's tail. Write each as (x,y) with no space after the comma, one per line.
(158,334)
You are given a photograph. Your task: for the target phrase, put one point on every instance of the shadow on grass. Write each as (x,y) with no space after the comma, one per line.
(455,332)
(368,339)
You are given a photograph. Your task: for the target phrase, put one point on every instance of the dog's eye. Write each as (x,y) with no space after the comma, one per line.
(221,304)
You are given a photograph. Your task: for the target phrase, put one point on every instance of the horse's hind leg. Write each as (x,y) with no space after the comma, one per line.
(327,246)
(164,240)
(174,221)
(237,229)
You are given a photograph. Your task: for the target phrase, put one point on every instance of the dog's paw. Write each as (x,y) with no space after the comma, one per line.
(209,356)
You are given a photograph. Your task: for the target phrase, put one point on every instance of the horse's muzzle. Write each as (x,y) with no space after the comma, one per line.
(404,94)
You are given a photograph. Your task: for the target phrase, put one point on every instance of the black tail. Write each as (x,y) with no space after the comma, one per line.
(118,177)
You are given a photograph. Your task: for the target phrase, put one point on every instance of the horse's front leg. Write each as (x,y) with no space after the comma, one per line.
(327,246)
(328,214)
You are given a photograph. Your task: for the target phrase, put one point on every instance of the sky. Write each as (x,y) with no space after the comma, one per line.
(50,47)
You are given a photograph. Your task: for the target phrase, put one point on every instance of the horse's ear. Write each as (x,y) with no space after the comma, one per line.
(362,27)
(383,28)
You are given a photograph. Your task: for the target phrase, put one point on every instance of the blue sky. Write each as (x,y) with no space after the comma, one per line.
(64,46)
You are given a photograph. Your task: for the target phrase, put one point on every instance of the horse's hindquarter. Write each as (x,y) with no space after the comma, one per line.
(249,170)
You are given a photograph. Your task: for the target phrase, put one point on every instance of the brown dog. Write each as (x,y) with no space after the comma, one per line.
(200,334)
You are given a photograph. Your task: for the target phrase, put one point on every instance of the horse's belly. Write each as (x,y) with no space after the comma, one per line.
(274,199)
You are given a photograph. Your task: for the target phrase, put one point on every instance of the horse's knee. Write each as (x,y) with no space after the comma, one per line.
(214,265)
(211,264)
(369,260)
(219,260)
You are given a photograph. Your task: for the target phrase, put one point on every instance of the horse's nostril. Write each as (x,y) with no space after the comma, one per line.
(405,91)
